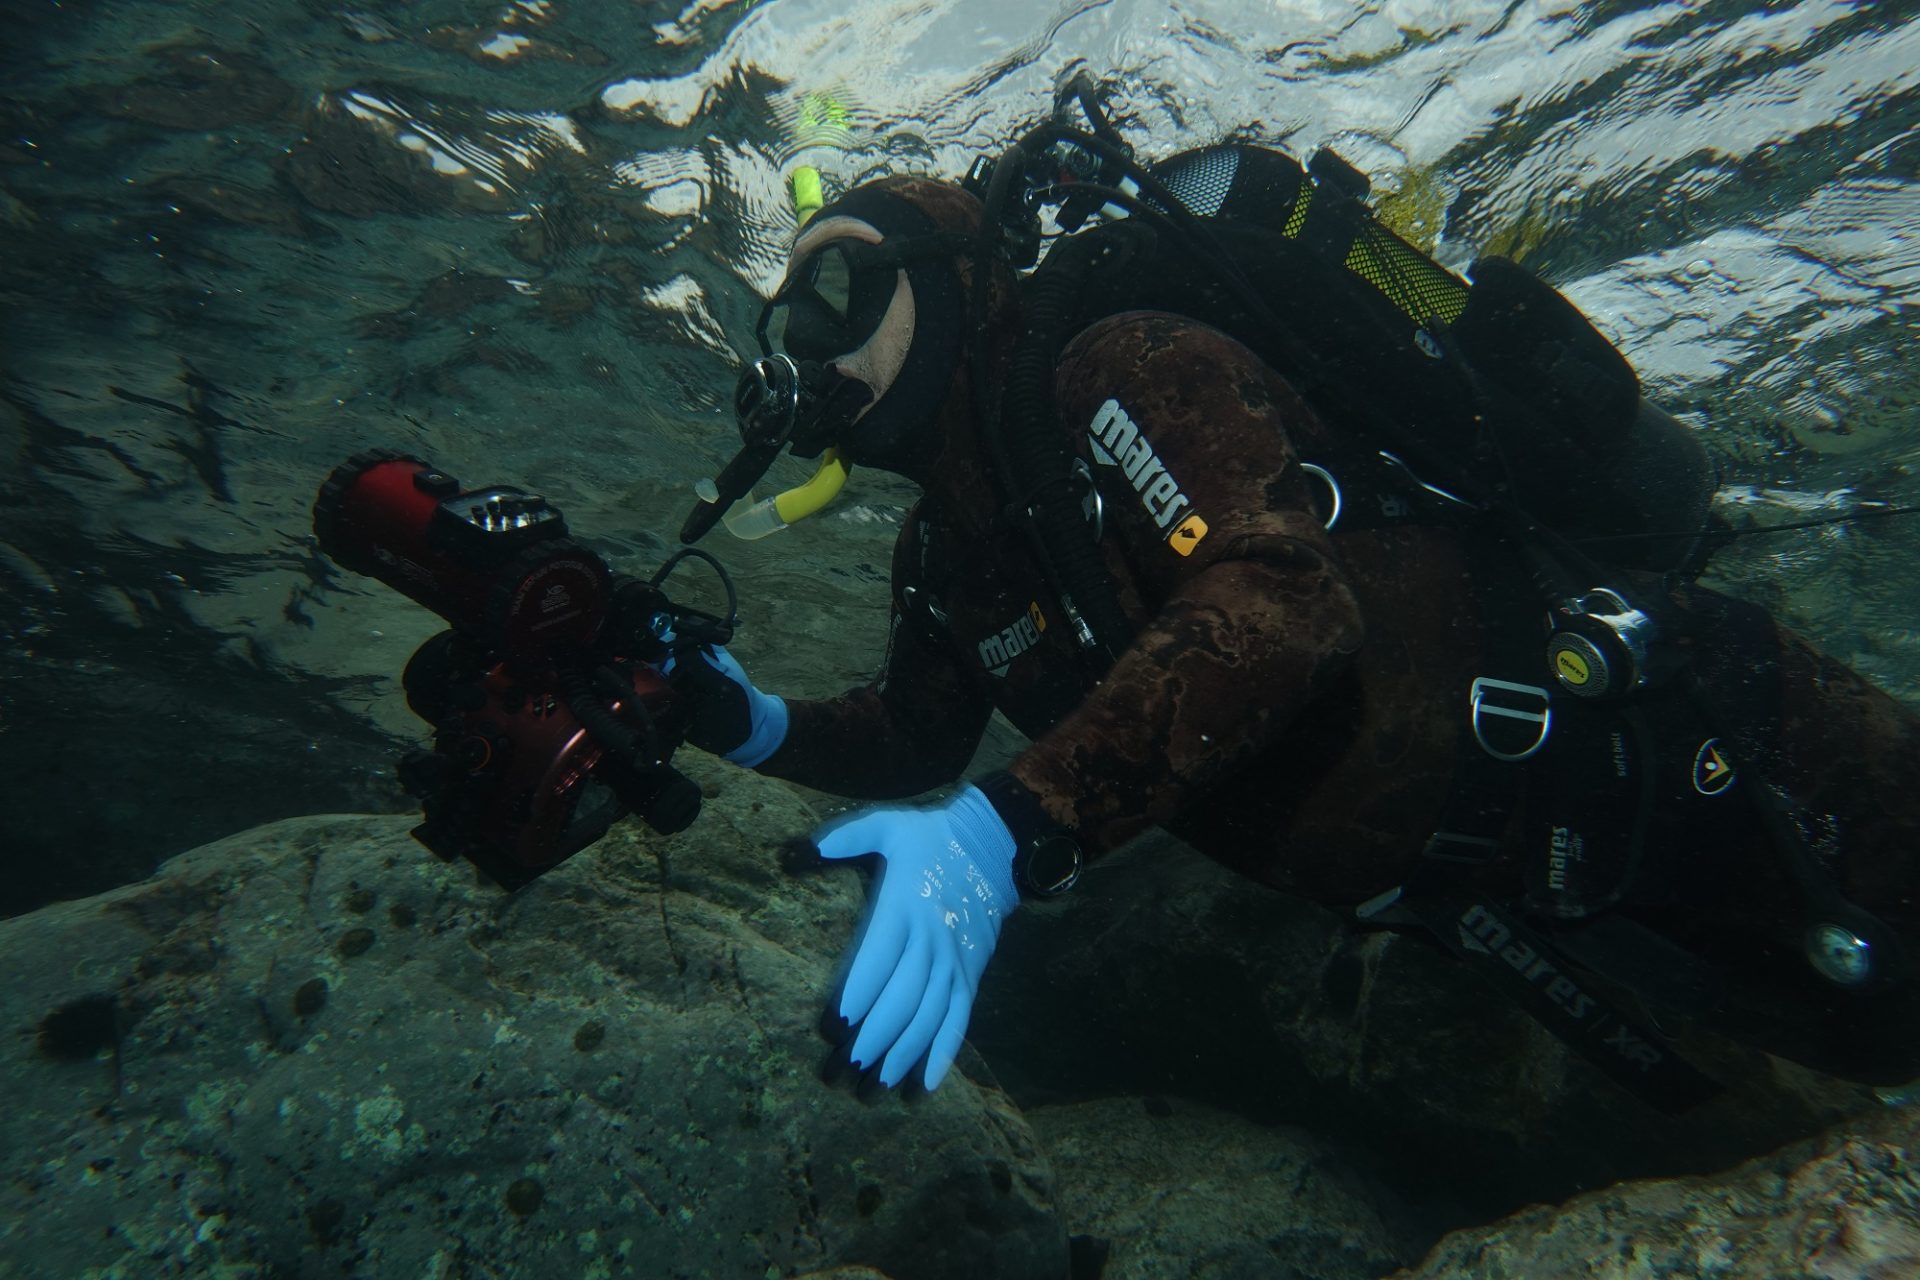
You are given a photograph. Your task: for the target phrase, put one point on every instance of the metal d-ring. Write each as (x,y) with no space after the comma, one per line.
(1333,487)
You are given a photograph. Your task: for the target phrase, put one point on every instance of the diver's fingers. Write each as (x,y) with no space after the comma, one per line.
(855,837)
(875,956)
(896,1006)
(725,663)
(913,1043)
(952,1033)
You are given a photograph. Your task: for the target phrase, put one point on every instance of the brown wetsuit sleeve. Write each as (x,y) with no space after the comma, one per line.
(914,727)
(1244,611)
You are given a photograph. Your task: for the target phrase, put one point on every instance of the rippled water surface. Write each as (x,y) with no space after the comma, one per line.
(244,240)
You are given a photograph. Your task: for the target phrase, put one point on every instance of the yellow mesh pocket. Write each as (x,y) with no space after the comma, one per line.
(1406,277)
(1412,281)
(1298,218)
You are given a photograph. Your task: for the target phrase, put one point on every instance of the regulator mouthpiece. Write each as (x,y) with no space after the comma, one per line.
(780,402)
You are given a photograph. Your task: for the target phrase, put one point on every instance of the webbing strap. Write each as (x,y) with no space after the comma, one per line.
(1494,942)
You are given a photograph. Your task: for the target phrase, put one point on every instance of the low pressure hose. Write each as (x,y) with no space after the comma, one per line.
(1040,455)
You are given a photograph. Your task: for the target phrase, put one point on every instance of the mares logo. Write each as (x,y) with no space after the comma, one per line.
(998,651)
(1563,849)
(1484,933)
(1117,442)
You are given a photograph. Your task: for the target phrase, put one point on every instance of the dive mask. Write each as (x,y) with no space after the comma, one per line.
(831,306)
(832,301)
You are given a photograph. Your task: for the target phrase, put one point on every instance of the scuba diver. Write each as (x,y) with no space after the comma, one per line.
(1371,584)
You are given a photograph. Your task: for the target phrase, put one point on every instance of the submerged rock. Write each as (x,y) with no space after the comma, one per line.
(1185,1191)
(237,1067)
(315,1050)
(1843,1207)
(312,1049)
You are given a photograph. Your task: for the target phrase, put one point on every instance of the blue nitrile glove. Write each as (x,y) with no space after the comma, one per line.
(945,886)
(730,718)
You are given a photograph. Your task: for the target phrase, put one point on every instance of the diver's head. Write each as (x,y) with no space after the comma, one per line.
(873,313)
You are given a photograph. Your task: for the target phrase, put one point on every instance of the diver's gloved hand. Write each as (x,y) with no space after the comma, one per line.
(945,886)
(730,718)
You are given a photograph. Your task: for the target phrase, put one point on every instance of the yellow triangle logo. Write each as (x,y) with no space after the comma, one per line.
(1188,535)
(1712,772)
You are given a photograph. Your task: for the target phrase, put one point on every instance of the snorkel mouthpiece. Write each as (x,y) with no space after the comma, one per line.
(779,402)
(750,521)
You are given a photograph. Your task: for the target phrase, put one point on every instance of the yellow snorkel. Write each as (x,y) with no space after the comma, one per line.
(822,123)
(808,195)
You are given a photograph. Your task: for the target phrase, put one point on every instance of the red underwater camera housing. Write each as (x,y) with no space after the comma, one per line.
(551,720)
(516,783)
(495,562)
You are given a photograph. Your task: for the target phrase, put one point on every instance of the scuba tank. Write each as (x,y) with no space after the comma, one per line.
(1502,389)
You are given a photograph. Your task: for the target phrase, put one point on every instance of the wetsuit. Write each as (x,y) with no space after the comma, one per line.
(1292,701)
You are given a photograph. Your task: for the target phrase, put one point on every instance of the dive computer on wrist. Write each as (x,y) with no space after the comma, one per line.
(1047,860)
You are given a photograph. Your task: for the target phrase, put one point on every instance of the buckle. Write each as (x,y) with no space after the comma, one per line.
(1509,701)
